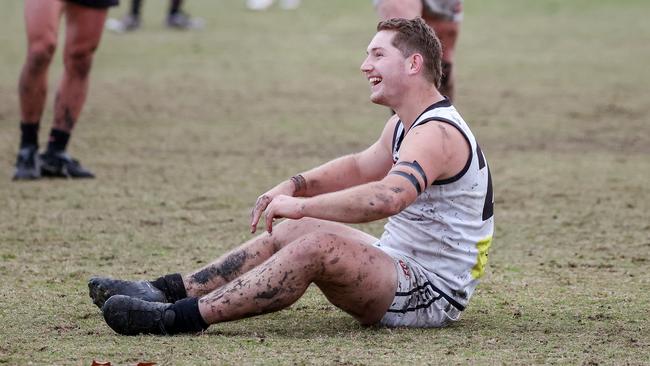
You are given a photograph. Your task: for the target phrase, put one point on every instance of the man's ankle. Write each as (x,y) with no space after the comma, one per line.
(187,318)
(172,286)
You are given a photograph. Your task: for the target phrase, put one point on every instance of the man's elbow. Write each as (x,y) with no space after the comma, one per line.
(390,204)
(396,207)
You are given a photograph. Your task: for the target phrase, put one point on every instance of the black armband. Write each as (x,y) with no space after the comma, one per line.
(417,167)
(410,177)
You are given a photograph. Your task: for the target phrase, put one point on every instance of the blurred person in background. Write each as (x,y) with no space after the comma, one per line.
(176,18)
(265,4)
(84,24)
(444,16)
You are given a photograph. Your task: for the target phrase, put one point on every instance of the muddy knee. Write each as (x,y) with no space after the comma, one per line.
(318,250)
(290,230)
(39,56)
(78,62)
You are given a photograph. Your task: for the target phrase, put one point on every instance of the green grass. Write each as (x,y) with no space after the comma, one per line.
(185,129)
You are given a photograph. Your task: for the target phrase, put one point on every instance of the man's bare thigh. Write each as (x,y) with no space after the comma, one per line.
(354,275)
(290,230)
(42,19)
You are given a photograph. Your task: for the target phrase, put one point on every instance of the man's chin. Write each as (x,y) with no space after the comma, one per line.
(378,99)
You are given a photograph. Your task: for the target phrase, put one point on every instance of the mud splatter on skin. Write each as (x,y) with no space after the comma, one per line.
(68,121)
(384,198)
(231,265)
(397,189)
(444,142)
(79,63)
(40,60)
(269,294)
(63,118)
(24,89)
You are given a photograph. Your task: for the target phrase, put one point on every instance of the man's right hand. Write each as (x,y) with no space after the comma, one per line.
(286,188)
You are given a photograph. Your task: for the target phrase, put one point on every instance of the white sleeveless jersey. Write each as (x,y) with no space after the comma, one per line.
(448,229)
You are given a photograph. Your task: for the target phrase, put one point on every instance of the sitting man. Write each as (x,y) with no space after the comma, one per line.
(425,173)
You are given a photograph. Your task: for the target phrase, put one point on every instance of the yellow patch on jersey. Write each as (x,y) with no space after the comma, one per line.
(483,247)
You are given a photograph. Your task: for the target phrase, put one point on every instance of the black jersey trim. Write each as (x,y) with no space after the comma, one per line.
(481,158)
(441,294)
(399,123)
(469,158)
(445,103)
(488,207)
(397,140)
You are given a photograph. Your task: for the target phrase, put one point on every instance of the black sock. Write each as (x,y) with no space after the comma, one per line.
(58,141)
(29,134)
(174,7)
(187,318)
(136,5)
(172,286)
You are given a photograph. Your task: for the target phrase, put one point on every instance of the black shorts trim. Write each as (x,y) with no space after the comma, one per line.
(96,4)
(449,299)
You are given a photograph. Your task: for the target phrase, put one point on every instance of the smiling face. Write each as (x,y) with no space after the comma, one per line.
(386,69)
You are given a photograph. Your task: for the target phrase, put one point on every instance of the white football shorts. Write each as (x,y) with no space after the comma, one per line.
(417,303)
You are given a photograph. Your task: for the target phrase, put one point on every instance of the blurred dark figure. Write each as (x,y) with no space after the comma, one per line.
(176,18)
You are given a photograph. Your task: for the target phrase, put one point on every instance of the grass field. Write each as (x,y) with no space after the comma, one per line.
(185,129)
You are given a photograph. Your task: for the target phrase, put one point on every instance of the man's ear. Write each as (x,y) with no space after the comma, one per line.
(415,63)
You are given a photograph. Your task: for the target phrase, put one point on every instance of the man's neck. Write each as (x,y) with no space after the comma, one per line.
(415,104)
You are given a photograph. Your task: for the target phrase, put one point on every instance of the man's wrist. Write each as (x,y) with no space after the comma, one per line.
(299,185)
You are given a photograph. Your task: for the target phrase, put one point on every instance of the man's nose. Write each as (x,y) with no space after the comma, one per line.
(365,66)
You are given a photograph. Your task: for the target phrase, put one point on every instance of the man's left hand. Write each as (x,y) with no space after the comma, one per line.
(283,206)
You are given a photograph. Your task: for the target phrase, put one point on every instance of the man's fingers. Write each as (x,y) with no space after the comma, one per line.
(260,206)
(269,221)
(255,218)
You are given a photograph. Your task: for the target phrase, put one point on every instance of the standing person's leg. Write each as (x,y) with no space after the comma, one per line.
(178,19)
(226,268)
(84,27)
(175,6)
(41,24)
(444,16)
(136,6)
(130,22)
(447,31)
(407,9)
(354,275)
